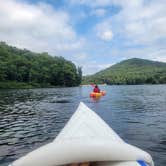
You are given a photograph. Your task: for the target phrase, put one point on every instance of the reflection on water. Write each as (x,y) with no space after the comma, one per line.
(31,118)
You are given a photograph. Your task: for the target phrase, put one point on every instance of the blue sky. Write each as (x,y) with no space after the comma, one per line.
(93,34)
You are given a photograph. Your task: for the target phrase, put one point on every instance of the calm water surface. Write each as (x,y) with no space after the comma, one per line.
(31,118)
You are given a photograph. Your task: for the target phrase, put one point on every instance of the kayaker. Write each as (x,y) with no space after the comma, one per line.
(96,89)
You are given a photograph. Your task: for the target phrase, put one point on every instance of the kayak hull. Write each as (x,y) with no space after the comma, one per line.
(66,151)
(86,138)
(94,94)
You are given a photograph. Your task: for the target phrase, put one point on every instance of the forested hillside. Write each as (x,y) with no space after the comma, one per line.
(24,66)
(131,71)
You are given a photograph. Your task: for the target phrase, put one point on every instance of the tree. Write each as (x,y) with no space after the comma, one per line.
(26,66)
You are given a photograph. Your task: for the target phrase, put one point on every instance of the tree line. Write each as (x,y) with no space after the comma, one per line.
(22,65)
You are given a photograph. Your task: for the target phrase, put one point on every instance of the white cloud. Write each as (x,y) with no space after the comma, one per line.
(93,67)
(106,35)
(139,21)
(100,12)
(80,57)
(94,3)
(158,55)
(160,58)
(69,46)
(103,31)
(37,27)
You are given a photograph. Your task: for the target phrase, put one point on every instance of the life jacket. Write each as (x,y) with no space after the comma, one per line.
(96,90)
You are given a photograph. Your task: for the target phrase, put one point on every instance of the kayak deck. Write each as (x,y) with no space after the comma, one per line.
(86,138)
(86,124)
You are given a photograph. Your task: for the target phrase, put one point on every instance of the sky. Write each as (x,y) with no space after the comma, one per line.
(94,34)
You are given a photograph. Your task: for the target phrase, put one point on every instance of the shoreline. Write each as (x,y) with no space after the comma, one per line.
(32,85)
(24,85)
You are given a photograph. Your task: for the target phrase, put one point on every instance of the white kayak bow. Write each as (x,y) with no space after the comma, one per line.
(86,138)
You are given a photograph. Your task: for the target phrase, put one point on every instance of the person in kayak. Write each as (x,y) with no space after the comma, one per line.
(96,89)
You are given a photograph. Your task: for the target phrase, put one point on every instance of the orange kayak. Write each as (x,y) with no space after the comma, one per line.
(94,94)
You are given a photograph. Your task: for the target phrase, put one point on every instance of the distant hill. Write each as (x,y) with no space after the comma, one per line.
(23,68)
(131,71)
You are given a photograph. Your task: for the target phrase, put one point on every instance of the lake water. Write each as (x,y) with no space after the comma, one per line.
(31,118)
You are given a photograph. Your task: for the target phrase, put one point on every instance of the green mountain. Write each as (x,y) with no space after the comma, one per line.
(131,71)
(23,68)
